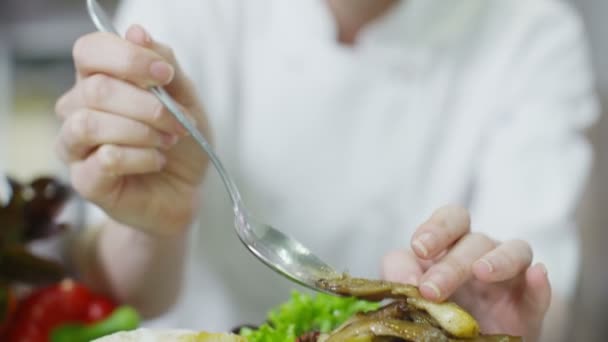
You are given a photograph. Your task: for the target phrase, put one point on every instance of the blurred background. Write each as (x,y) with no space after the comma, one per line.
(35,68)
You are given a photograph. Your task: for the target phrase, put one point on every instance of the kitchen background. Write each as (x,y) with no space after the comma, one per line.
(35,68)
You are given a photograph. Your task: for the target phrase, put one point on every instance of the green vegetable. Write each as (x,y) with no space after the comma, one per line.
(123,318)
(303,313)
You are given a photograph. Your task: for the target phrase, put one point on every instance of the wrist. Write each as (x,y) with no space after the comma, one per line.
(116,232)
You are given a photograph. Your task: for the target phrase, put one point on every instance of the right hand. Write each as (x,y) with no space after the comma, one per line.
(125,151)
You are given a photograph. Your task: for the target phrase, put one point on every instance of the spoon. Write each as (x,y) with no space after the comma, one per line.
(280,252)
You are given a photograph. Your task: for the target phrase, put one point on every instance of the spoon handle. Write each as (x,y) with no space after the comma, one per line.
(104,24)
(168,102)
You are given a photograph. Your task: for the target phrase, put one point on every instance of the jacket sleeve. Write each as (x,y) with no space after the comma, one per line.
(536,159)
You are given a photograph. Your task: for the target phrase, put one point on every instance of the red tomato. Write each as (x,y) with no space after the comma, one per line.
(99,308)
(48,307)
(74,299)
(24,331)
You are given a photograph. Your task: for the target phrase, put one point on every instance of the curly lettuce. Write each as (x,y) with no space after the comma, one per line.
(303,313)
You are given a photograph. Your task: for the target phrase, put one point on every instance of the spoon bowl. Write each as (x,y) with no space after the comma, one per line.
(282,253)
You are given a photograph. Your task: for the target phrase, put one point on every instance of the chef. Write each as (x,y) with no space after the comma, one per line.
(349,124)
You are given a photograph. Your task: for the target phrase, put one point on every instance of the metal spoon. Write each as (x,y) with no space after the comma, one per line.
(277,250)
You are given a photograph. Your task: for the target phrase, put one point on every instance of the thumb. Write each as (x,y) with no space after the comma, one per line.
(180,87)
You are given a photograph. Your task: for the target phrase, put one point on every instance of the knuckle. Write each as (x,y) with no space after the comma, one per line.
(60,106)
(170,54)
(480,238)
(110,158)
(130,61)
(454,269)
(82,126)
(452,216)
(524,245)
(502,258)
(80,48)
(482,241)
(147,133)
(166,51)
(523,248)
(458,214)
(84,47)
(96,88)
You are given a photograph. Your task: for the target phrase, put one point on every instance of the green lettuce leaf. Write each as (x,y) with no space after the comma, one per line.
(304,313)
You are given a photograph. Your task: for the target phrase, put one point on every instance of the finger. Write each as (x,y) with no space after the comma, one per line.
(446,226)
(180,86)
(109,54)
(85,130)
(401,266)
(98,177)
(106,94)
(537,295)
(65,104)
(455,268)
(507,261)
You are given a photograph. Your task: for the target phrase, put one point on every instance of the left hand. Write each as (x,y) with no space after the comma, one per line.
(495,281)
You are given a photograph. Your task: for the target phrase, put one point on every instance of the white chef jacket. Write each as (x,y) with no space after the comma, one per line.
(478,103)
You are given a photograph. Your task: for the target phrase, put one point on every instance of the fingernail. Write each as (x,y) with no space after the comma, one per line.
(486,264)
(434,288)
(140,35)
(146,36)
(544,269)
(422,244)
(162,71)
(169,140)
(419,247)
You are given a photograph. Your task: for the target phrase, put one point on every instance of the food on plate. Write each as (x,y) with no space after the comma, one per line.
(404,316)
(147,335)
(448,316)
(303,315)
(408,317)
(122,319)
(367,311)
(67,311)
